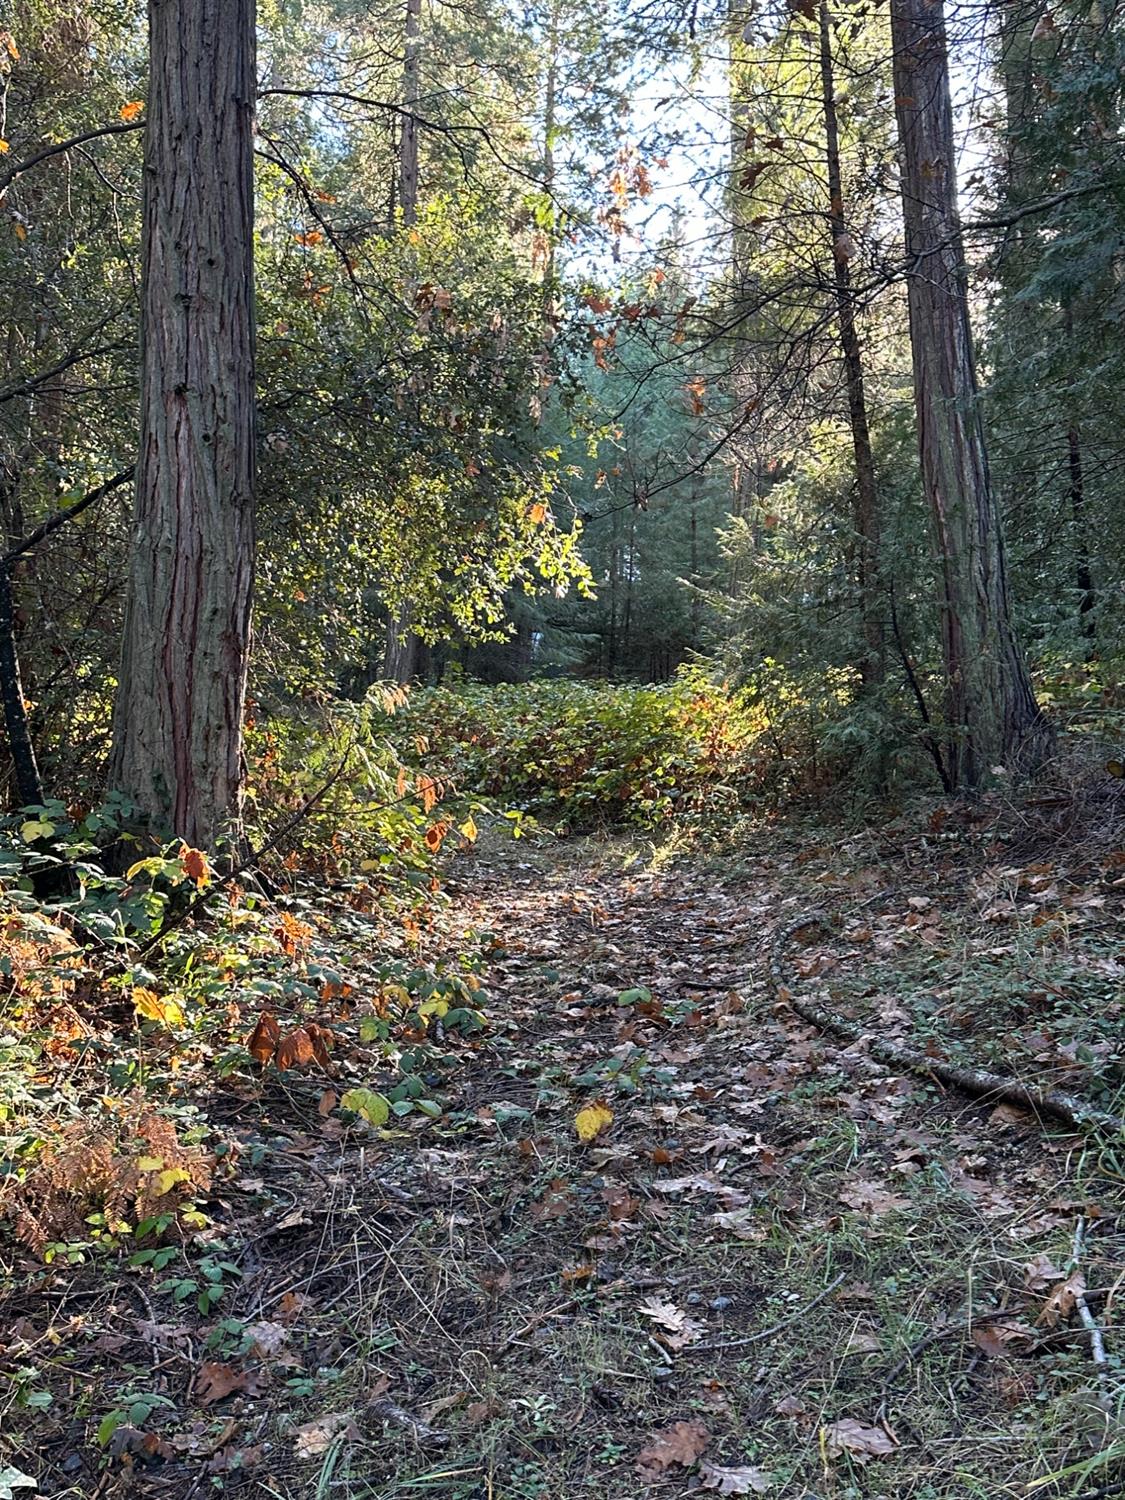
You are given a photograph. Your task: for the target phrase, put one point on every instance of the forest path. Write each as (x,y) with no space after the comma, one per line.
(776,1268)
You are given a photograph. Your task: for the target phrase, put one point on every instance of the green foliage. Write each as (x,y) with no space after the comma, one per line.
(591,755)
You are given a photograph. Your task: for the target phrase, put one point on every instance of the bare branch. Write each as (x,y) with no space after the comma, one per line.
(60,517)
(121,127)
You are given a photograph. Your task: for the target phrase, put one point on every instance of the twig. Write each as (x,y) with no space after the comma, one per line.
(57,148)
(768,1333)
(1089,1322)
(61,517)
(943,1330)
(975,1081)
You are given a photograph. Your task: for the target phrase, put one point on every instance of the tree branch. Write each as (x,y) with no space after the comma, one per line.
(122,127)
(60,517)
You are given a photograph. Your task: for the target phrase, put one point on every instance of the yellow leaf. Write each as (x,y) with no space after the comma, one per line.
(592,1120)
(150,1164)
(130,111)
(21,232)
(168,1179)
(163,1010)
(468,830)
(4,147)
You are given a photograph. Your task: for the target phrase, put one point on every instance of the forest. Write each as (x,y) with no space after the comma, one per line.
(562,801)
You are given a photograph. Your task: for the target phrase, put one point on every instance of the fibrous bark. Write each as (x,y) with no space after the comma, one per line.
(991,712)
(180,703)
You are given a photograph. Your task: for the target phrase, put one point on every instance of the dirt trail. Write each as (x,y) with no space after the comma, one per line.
(779,1268)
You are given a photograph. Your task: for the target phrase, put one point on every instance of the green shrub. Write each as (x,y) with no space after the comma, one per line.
(593,754)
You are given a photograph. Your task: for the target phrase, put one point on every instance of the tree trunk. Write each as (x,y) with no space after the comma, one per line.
(411,92)
(179,710)
(400,653)
(866,511)
(991,710)
(28,785)
(1083,577)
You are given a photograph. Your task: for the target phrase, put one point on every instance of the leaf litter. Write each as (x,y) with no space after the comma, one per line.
(607,1260)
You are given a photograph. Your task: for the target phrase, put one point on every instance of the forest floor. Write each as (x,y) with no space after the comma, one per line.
(774,1267)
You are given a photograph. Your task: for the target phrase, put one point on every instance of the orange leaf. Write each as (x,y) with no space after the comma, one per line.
(435,835)
(537,514)
(195,865)
(264,1038)
(130,111)
(295,1050)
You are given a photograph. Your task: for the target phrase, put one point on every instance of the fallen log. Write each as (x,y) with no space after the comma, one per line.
(974,1081)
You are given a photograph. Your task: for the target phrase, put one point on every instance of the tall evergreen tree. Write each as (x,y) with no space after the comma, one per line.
(991,710)
(178,719)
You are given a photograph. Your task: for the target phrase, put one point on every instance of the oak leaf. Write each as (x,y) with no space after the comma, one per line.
(861,1443)
(744,1481)
(314,1438)
(680,1444)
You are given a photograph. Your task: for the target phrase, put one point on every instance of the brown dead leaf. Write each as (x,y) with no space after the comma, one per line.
(871,1197)
(215,1381)
(263,1040)
(315,1438)
(994,1339)
(744,1481)
(677,1328)
(861,1443)
(680,1444)
(1060,1304)
(295,1050)
(1040,1272)
(790,1406)
(291,1305)
(268,1340)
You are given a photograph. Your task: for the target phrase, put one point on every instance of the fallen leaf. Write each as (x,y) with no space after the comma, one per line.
(745,1481)
(790,1406)
(1060,1304)
(268,1339)
(215,1381)
(315,1438)
(852,1437)
(679,1329)
(681,1444)
(871,1197)
(1040,1272)
(592,1120)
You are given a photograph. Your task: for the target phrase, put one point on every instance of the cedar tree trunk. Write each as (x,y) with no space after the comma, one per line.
(991,710)
(179,712)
